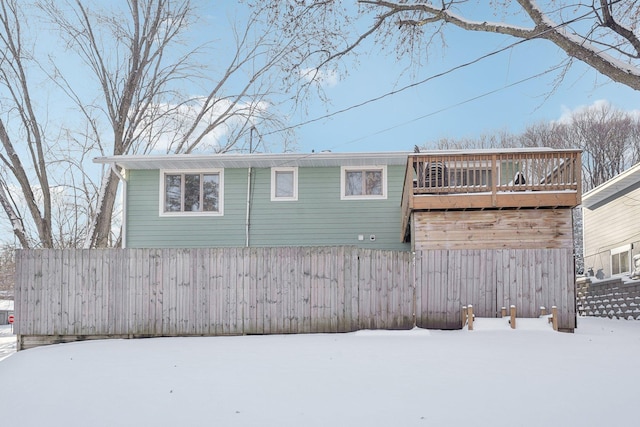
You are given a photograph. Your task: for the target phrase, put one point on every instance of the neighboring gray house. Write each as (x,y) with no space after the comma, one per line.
(611,224)
(6,309)
(237,200)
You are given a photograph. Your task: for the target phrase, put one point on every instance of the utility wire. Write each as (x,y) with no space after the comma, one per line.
(432,77)
(466,101)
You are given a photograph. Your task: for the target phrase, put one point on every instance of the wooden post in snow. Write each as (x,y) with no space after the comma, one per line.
(464,315)
(554,315)
(503,312)
(513,317)
(543,311)
(470,316)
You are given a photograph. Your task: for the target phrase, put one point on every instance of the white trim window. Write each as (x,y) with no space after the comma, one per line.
(284,184)
(621,260)
(363,182)
(191,192)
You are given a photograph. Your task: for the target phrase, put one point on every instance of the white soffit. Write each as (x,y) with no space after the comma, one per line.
(262,160)
(612,187)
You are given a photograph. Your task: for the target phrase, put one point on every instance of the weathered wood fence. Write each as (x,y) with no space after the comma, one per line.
(64,295)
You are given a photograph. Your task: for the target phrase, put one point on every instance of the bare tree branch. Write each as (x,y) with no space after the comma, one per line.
(13,77)
(410,26)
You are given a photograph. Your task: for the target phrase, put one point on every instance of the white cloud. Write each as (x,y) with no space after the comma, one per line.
(178,120)
(320,77)
(567,113)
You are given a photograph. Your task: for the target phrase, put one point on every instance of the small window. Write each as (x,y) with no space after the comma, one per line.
(364,183)
(284,184)
(191,193)
(621,260)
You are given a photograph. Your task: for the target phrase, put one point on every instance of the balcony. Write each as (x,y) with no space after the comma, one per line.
(481,179)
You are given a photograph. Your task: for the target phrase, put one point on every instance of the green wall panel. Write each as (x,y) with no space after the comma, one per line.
(318,217)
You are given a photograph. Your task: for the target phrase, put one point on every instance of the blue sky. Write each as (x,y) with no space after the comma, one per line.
(465,103)
(481,98)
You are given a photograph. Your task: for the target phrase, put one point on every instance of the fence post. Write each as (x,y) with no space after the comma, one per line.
(464,315)
(470,316)
(503,312)
(543,311)
(554,315)
(513,317)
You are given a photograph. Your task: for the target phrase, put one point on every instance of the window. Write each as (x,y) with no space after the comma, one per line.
(621,260)
(364,182)
(284,184)
(191,193)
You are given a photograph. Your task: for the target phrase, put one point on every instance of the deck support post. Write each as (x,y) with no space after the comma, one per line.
(513,317)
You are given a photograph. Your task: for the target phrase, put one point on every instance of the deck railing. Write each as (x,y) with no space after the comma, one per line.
(493,172)
(490,179)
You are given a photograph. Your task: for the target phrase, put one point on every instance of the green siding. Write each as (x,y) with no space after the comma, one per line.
(317,218)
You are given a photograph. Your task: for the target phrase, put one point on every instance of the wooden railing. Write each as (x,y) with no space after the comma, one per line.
(491,179)
(492,172)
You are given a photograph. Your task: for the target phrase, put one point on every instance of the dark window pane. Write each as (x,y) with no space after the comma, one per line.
(210,191)
(192,193)
(615,264)
(172,191)
(624,262)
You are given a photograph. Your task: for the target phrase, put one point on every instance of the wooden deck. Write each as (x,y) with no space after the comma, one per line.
(481,179)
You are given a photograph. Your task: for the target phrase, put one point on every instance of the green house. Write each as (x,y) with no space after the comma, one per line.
(238,200)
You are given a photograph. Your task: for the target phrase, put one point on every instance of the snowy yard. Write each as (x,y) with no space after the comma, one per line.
(492,376)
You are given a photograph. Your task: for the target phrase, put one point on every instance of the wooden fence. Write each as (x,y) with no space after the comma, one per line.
(64,295)
(491,279)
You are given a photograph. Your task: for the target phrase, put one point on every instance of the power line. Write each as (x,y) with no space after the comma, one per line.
(466,101)
(435,76)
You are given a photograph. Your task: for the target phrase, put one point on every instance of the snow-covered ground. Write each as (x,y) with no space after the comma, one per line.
(7,344)
(492,376)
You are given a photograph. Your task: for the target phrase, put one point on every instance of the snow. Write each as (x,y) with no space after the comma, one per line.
(492,376)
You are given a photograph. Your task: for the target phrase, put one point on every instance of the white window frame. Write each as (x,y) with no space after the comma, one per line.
(343,180)
(620,250)
(219,212)
(274,171)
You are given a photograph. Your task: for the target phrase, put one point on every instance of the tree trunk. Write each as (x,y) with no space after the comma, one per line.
(101,229)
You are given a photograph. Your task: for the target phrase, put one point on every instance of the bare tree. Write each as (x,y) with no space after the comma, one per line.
(607,136)
(135,53)
(21,113)
(498,139)
(7,271)
(601,33)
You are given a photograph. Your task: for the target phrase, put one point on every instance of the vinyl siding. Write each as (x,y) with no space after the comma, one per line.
(610,225)
(317,218)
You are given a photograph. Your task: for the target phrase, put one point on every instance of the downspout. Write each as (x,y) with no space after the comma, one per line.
(247,219)
(248,207)
(124,203)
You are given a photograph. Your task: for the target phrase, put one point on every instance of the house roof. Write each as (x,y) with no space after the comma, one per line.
(260,160)
(612,187)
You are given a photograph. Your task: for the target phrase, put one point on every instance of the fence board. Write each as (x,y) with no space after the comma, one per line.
(169,292)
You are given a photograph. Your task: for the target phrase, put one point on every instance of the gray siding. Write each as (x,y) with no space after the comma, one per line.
(610,225)
(317,218)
